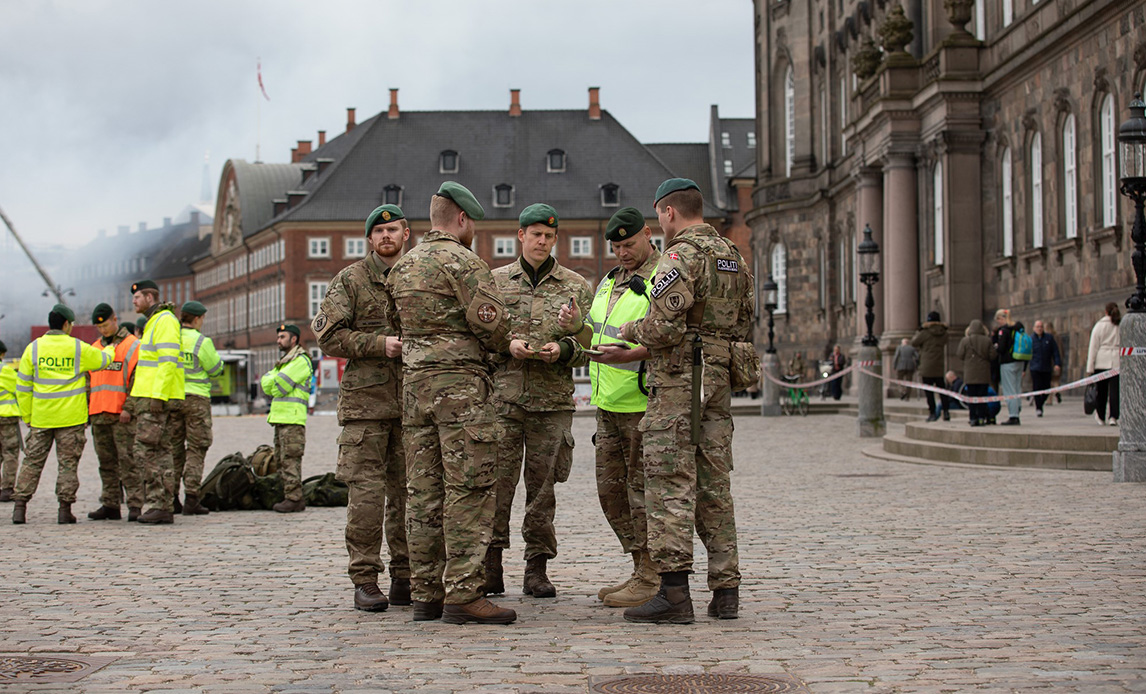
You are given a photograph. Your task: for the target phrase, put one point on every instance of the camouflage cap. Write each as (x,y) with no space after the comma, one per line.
(194,308)
(101,314)
(68,314)
(463,198)
(624,224)
(538,213)
(144,284)
(292,329)
(673,185)
(383,214)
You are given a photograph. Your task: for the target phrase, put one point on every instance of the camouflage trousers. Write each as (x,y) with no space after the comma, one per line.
(450,432)
(153,451)
(372,463)
(190,438)
(621,477)
(10,445)
(290,444)
(69,447)
(688,485)
(114,442)
(547,442)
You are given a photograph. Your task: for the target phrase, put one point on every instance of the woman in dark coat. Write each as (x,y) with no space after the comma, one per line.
(931,341)
(977,352)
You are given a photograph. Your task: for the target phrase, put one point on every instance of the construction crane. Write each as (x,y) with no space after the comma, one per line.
(52,286)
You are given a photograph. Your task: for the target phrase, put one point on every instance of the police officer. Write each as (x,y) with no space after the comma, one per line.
(450,314)
(701,304)
(52,397)
(10,438)
(159,391)
(191,433)
(620,392)
(534,384)
(354,323)
(113,427)
(288,386)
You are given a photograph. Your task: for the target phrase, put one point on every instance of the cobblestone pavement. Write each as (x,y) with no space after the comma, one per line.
(860,576)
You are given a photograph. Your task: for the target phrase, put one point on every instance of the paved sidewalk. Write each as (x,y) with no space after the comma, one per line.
(860,576)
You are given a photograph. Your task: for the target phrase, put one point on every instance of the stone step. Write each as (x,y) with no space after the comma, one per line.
(1003,457)
(1082,439)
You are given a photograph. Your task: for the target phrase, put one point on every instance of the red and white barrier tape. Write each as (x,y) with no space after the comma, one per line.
(813,384)
(995,398)
(1132,351)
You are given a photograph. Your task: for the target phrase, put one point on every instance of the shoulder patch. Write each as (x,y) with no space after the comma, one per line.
(487,313)
(727,265)
(665,282)
(673,255)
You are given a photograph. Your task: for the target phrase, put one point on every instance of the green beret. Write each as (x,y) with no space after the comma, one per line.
(64,311)
(3,347)
(141,323)
(194,308)
(673,185)
(288,328)
(624,224)
(101,314)
(538,213)
(144,284)
(463,198)
(383,215)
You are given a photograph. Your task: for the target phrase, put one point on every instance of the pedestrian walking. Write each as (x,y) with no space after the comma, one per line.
(931,341)
(905,361)
(977,352)
(839,362)
(1010,369)
(1102,356)
(1045,363)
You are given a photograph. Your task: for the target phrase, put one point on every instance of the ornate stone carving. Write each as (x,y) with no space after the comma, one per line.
(231,232)
(1062,100)
(1140,55)
(959,13)
(896,31)
(1030,119)
(1101,83)
(866,59)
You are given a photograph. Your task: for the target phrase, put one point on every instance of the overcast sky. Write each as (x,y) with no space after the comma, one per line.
(107,107)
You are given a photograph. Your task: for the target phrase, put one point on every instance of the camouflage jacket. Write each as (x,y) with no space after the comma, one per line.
(532,383)
(701,287)
(354,316)
(449,312)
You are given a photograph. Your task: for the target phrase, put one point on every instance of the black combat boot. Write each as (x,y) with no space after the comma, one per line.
(133,513)
(19,512)
(671,605)
(494,580)
(427,611)
(400,591)
(536,582)
(192,507)
(105,513)
(65,516)
(5,494)
(725,603)
(176,507)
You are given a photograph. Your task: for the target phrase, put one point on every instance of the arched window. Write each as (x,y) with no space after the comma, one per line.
(780,276)
(1036,160)
(824,125)
(843,114)
(1107,182)
(1008,205)
(789,120)
(1008,12)
(1069,178)
(980,20)
(937,190)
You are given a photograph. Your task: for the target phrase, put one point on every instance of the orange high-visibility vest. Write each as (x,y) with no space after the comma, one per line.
(109,386)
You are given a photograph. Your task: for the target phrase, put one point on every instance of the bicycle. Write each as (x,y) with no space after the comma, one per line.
(794,401)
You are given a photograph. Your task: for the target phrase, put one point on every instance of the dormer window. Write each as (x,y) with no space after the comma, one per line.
(726,140)
(392,195)
(503,195)
(555,161)
(610,195)
(448,162)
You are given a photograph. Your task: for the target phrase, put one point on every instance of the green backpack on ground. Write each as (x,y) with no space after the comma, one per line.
(268,490)
(263,461)
(229,485)
(325,490)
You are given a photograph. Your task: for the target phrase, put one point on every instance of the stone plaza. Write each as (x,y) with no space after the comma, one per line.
(860,575)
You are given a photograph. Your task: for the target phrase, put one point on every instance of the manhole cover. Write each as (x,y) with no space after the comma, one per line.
(48,667)
(698,684)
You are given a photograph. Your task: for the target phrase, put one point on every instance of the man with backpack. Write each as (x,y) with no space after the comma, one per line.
(288,386)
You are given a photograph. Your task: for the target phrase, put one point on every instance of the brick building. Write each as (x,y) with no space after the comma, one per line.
(978,143)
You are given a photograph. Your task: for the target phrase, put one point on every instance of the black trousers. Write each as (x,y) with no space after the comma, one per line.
(1107,391)
(1041,380)
(977,410)
(944,401)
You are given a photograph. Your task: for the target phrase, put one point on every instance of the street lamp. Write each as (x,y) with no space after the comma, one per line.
(1132,150)
(867,259)
(771,294)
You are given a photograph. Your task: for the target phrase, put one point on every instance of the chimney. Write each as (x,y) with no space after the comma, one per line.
(294,158)
(166,222)
(392,114)
(303,148)
(594,103)
(321,138)
(350,119)
(514,103)
(193,221)
(143,226)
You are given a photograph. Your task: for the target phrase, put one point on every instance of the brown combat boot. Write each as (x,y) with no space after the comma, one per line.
(156,516)
(480,611)
(671,605)
(400,591)
(65,516)
(176,507)
(725,603)
(494,579)
(19,512)
(5,494)
(133,513)
(105,513)
(641,588)
(192,507)
(613,589)
(427,611)
(536,582)
(370,598)
(288,506)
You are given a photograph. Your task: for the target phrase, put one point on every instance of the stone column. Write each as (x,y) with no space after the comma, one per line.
(870,422)
(900,246)
(770,405)
(1130,458)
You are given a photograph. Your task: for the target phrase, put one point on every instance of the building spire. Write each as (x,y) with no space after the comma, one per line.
(206,194)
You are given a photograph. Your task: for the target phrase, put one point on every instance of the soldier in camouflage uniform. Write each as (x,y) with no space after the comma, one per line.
(702,300)
(354,324)
(10,438)
(450,314)
(534,384)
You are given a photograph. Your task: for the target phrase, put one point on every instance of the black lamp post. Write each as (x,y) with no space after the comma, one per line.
(867,260)
(771,292)
(1132,151)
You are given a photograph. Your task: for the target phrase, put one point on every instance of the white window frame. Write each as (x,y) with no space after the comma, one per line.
(1007,179)
(937,220)
(617,203)
(442,161)
(1036,159)
(1106,129)
(1008,12)
(511,195)
(823,278)
(728,170)
(824,124)
(779,268)
(658,241)
(549,168)
(843,115)
(354,247)
(1070,177)
(318,247)
(751,140)
(843,247)
(789,120)
(980,20)
(315,293)
(580,247)
(504,247)
(386,194)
